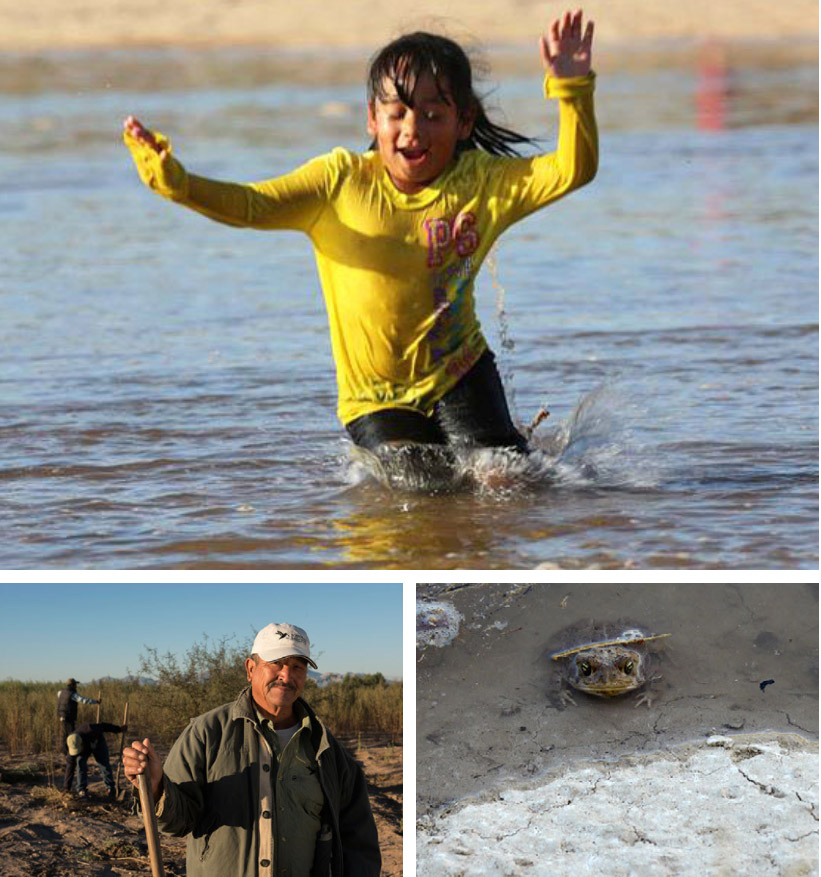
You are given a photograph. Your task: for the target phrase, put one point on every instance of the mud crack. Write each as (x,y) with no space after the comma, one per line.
(766,789)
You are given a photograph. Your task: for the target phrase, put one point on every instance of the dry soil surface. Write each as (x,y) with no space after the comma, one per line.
(46,834)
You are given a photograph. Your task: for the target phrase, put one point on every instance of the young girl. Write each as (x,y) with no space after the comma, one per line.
(401,230)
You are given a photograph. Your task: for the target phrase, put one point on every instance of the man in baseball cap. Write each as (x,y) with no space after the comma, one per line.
(278,641)
(89,740)
(260,786)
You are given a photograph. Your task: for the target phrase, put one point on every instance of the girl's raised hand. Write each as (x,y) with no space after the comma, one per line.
(139,132)
(565,50)
(157,167)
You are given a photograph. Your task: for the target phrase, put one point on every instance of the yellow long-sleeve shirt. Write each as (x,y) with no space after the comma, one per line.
(397,270)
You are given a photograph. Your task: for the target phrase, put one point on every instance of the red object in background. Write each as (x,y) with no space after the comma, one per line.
(712,88)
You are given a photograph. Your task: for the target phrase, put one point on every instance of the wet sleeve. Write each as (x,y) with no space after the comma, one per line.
(292,201)
(527,184)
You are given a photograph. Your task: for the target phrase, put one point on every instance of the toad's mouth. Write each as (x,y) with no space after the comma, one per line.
(609,689)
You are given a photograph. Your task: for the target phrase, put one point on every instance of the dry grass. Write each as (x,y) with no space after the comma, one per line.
(48,796)
(209,674)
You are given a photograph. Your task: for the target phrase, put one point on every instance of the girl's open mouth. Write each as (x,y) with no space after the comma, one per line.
(413,156)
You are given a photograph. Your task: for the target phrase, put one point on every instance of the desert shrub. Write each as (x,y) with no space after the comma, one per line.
(210,673)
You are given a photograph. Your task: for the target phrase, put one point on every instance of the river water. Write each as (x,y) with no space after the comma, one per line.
(166,386)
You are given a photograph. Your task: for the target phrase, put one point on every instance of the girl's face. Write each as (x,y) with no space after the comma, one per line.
(416,143)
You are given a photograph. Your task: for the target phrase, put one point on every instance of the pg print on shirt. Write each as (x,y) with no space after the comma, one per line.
(451,283)
(444,234)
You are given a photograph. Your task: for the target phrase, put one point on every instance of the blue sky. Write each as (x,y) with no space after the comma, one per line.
(53,631)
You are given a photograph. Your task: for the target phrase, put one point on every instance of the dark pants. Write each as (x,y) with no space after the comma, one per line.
(473,414)
(80,762)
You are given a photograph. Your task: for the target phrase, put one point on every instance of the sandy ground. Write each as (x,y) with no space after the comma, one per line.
(368,23)
(46,834)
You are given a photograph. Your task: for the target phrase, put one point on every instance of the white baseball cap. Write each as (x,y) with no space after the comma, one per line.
(74,743)
(278,641)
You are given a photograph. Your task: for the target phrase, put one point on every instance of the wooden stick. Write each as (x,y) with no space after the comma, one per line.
(99,703)
(609,642)
(122,746)
(542,414)
(152,835)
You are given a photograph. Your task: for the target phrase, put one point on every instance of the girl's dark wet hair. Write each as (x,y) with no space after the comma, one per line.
(407,58)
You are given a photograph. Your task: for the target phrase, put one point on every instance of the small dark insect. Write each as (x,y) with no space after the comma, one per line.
(765,683)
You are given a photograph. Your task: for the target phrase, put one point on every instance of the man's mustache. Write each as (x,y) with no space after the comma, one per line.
(282,685)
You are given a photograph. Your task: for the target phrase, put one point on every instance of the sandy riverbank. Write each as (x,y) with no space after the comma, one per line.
(54,24)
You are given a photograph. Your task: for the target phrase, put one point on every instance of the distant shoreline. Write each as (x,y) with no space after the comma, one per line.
(75,69)
(365,24)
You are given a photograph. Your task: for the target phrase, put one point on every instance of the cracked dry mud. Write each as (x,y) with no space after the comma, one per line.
(747,805)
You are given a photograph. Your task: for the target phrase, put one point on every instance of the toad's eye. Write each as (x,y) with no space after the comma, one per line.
(585,668)
(628,667)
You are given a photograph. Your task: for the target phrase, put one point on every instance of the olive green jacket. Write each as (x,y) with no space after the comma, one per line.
(211,792)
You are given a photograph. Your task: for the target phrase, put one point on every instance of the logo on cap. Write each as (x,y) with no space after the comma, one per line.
(277,641)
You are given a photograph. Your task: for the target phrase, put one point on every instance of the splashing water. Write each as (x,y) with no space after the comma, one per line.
(598,445)
(595,447)
(505,338)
